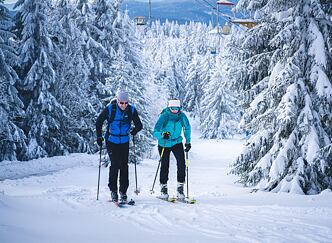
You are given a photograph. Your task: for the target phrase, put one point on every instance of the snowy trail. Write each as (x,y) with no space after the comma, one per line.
(62,207)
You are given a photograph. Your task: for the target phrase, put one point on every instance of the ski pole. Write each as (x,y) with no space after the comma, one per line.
(135,158)
(187,163)
(99,172)
(161,156)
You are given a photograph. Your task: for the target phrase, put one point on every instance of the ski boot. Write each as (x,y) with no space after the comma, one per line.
(123,197)
(180,193)
(164,194)
(114,196)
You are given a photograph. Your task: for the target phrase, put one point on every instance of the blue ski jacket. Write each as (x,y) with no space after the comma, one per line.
(174,124)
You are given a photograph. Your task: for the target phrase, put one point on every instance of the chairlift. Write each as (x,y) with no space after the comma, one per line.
(225,3)
(226,29)
(140,20)
(249,23)
(213,50)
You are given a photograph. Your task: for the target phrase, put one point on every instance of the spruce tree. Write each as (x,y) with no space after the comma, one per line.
(12,138)
(72,73)
(44,114)
(287,81)
(93,53)
(220,114)
(193,87)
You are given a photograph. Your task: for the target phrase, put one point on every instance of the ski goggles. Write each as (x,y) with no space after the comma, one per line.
(175,108)
(123,103)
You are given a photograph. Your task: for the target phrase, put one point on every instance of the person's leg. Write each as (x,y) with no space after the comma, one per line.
(114,166)
(164,168)
(124,180)
(181,169)
(178,152)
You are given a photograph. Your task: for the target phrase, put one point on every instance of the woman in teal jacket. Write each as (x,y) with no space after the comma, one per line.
(168,131)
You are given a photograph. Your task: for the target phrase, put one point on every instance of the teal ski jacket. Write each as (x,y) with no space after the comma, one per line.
(174,124)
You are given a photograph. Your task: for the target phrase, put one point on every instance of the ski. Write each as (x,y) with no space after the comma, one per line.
(187,200)
(131,202)
(119,204)
(170,199)
(123,204)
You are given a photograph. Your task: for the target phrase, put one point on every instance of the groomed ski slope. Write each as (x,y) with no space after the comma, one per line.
(58,204)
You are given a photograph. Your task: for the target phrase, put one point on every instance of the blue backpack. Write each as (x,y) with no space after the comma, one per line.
(112,112)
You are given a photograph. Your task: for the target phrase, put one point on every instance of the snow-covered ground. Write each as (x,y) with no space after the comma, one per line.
(54,200)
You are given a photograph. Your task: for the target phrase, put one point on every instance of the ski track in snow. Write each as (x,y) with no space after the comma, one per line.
(225,212)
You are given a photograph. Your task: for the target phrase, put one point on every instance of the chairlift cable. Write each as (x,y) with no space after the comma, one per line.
(221,14)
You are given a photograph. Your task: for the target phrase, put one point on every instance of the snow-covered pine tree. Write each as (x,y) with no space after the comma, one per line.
(287,73)
(323,162)
(44,114)
(193,87)
(12,138)
(72,74)
(220,115)
(166,75)
(93,52)
(196,72)
(103,51)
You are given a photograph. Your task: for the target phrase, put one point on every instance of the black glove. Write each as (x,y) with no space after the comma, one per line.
(166,135)
(188,147)
(133,132)
(100,141)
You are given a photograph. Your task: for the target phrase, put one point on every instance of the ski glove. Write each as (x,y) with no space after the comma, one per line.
(100,141)
(133,132)
(166,135)
(188,147)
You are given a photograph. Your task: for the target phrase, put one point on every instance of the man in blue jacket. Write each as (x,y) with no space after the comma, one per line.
(119,115)
(168,131)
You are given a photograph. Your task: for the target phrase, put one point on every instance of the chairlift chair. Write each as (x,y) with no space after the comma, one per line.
(225,3)
(213,50)
(140,20)
(226,29)
(249,23)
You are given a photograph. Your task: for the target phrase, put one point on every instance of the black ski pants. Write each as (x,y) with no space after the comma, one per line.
(178,152)
(118,154)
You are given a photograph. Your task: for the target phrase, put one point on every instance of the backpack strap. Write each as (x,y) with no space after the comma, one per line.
(111,112)
(130,113)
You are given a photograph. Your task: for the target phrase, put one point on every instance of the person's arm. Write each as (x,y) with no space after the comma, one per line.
(137,123)
(157,131)
(100,120)
(186,128)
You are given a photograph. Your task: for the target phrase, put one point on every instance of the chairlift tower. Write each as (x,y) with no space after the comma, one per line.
(149,14)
